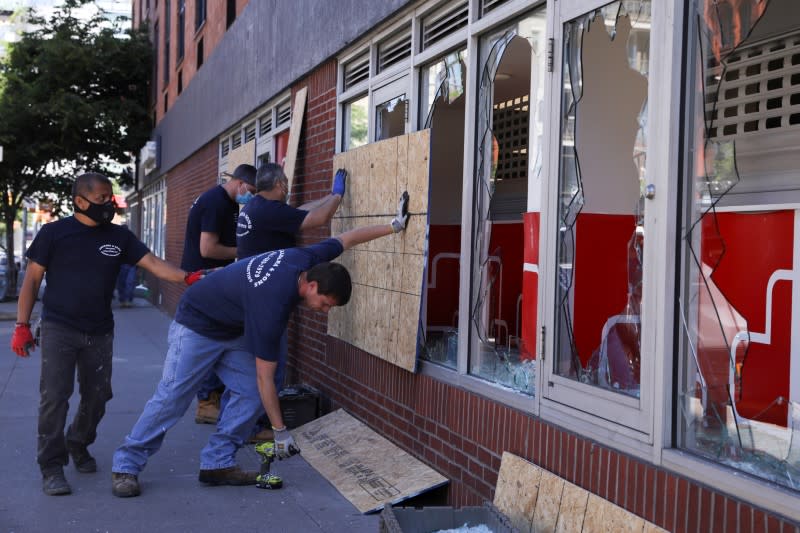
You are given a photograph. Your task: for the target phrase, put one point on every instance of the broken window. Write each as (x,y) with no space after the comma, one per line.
(600,205)
(509,130)
(442,109)
(390,117)
(740,288)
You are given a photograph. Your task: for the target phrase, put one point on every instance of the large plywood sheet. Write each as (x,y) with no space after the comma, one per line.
(365,468)
(383,316)
(294,134)
(539,501)
(245,154)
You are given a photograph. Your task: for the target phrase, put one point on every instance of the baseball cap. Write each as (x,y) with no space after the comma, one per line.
(246,173)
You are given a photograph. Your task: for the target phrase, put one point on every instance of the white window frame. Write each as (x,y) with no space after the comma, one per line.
(265,143)
(154,217)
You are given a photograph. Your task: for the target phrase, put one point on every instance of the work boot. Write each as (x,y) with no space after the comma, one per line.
(233,475)
(83,461)
(208,410)
(124,485)
(262,436)
(55,484)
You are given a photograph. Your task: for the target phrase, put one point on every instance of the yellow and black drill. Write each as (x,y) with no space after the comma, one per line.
(265,480)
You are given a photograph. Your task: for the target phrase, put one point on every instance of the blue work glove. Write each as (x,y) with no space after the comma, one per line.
(339,182)
(285,446)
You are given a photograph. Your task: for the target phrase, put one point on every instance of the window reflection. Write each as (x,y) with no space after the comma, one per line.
(390,118)
(355,123)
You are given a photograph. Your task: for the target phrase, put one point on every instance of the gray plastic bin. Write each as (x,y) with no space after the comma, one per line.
(410,520)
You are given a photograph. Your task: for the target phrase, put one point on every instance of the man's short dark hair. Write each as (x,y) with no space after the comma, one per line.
(332,280)
(268,176)
(85,183)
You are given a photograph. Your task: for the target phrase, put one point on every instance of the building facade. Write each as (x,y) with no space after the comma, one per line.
(612,263)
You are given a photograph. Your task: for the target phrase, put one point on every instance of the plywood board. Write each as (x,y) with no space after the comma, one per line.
(244,155)
(365,468)
(537,500)
(294,134)
(384,318)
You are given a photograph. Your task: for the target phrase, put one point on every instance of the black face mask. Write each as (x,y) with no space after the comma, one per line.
(100,213)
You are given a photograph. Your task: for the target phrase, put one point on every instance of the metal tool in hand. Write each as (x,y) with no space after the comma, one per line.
(265,480)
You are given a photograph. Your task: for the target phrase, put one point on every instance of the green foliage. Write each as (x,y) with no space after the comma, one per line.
(73,97)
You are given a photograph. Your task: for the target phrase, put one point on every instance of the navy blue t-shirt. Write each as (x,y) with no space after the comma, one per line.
(266,225)
(252,297)
(82,264)
(212,212)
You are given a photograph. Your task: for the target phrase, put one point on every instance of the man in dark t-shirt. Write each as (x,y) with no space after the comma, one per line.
(82,256)
(268,223)
(210,242)
(232,322)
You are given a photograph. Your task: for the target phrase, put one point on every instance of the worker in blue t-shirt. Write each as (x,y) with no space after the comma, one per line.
(210,242)
(268,223)
(232,323)
(81,255)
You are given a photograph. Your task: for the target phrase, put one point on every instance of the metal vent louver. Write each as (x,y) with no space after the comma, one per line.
(356,71)
(489,5)
(265,124)
(224,148)
(443,22)
(250,132)
(394,49)
(236,141)
(284,113)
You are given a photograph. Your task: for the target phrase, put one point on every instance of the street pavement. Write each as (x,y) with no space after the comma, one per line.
(172,499)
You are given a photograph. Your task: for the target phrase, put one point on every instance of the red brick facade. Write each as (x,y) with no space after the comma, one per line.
(459,433)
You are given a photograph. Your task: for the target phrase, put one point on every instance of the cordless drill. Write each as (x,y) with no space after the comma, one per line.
(265,480)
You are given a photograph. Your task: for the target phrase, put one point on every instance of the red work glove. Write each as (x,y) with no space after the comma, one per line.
(194,277)
(22,340)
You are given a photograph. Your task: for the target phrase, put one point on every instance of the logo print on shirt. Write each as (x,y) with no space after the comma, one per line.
(261,267)
(111,250)
(243,225)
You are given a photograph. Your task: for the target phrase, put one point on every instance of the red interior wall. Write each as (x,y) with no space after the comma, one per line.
(442,302)
(530,286)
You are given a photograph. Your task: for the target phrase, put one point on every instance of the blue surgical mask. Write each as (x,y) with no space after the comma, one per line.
(244,198)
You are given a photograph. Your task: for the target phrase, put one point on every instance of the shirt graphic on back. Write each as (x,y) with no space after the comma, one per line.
(253,297)
(266,225)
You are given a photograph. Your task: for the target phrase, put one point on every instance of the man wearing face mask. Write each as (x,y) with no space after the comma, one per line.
(210,242)
(81,255)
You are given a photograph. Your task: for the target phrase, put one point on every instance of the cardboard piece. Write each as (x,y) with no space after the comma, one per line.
(245,154)
(365,468)
(294,134)
(537,500)
(383,316)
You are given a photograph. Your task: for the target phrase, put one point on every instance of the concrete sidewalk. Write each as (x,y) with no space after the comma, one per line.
(172,499)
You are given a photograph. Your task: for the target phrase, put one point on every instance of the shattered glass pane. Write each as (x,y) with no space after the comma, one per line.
(601,208)
(510,131)
(391,118)
(740,404)
(443,105)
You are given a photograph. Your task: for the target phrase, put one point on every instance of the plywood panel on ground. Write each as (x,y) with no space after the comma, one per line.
(367,469)
(383,316)
(539,501)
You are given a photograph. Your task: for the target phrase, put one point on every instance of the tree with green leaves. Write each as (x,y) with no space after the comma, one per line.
(73,98)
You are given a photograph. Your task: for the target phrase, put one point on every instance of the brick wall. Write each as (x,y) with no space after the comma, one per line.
(185,183)
(461,434)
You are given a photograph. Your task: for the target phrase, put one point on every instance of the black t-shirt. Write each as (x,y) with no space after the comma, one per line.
(252,297)
(212,212)
(82,264)
(266,225)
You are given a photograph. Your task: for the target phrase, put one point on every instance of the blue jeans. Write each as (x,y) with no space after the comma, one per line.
(189,360)
(126,283)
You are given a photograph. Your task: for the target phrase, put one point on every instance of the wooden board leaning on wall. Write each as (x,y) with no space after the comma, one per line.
(383,315)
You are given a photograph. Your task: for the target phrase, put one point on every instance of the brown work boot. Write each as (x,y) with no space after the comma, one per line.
(262,436)
(233,475)
(208,410)
(124,485)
